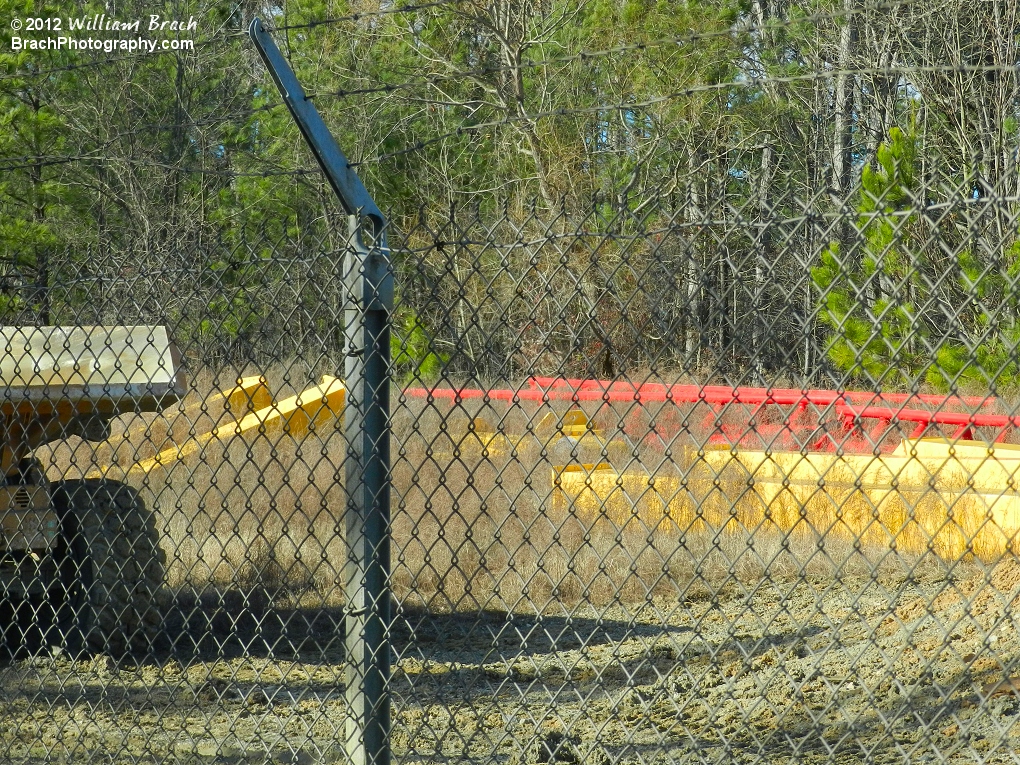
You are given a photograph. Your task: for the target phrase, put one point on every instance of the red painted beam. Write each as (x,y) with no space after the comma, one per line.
(850,407)
(559,394)
(743,395)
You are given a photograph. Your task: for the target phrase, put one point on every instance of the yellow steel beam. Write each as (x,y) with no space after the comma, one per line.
(573,424)
(295,416)
(551,429)
(954,498)
(249,395)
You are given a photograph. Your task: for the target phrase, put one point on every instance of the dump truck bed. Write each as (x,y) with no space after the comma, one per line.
(63,381)
(69,371)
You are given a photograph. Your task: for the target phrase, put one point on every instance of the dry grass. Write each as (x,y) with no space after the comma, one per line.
(478,524)
(483,526)
(250,511)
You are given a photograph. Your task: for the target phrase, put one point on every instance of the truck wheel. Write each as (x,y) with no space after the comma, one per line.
(32,588)
(29,621)
(112,571)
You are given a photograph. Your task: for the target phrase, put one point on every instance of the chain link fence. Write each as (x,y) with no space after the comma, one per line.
(702,409)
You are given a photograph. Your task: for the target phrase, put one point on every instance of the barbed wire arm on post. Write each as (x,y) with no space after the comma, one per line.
(369,300)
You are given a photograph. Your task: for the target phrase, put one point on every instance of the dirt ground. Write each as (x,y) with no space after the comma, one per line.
(524,632)
(896,668)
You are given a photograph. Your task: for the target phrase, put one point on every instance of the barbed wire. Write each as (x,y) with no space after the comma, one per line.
(212,120)
(361,15)
(48,161)
(35,161)
(754,81)
(729,31)
(29,161)
(590,55)
(228,37)
(844,12)
(583,56)
(750,82)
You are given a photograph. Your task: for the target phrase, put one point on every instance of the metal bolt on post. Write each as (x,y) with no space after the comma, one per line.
(368,283)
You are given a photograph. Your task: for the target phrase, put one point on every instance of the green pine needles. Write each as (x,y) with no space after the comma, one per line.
(908,297)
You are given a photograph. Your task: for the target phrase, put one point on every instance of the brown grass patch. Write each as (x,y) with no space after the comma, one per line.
(478,523)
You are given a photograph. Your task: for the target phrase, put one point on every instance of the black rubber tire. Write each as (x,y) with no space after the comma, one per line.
(31,625)
(113,573)
(29,471)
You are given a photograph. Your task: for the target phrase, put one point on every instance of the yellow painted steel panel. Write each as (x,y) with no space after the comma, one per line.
(248,395)
(955,499)
(26,520)
(295,416)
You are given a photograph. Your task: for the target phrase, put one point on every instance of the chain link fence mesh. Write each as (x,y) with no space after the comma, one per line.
(703,414)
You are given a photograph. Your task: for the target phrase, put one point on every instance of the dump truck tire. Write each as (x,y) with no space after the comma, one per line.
(30,625)
(113,572)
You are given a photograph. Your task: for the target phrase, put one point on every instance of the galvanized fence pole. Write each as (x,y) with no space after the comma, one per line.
(366,426)
(368,280)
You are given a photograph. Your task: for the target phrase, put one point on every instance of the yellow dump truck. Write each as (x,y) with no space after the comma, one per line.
(80,563)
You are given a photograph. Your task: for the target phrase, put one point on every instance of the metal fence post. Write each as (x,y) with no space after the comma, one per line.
(369,287)
(366,426)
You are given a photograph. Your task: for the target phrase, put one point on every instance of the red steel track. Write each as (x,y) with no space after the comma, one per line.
(775,418)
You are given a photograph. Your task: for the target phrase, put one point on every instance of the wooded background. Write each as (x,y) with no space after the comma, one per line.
(821,191)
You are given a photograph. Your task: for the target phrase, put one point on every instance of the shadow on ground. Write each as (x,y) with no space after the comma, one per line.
(506,687)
